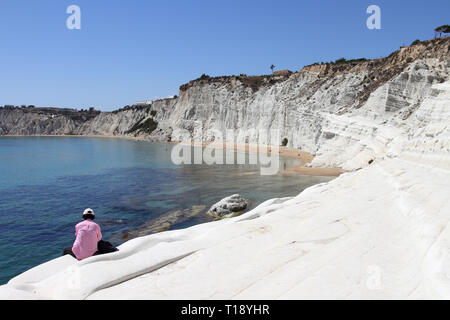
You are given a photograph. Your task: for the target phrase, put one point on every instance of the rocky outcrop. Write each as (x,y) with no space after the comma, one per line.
(32,121)
(228,206)
(339,112)
(347,113)
(135,121)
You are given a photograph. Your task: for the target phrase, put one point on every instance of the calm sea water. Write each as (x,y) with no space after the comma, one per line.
(135,190)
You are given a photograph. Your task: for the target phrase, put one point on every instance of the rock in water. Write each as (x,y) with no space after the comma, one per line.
(228,206)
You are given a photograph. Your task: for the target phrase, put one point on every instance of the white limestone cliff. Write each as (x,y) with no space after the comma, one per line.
(344,114)
(381,231)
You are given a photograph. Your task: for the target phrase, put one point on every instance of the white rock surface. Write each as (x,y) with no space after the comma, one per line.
(321,109)
(381,232)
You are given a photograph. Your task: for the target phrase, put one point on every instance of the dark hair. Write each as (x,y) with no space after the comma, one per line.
(88,216)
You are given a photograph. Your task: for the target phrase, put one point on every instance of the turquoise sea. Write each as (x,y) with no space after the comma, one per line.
(133,186)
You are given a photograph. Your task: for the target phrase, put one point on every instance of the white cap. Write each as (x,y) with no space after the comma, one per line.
(88,211)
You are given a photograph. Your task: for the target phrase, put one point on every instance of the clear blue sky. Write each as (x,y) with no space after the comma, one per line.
(144,49)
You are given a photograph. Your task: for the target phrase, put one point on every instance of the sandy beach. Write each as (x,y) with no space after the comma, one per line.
(303,156)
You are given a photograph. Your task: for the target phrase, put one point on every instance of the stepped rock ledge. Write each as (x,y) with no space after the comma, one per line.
(381,230)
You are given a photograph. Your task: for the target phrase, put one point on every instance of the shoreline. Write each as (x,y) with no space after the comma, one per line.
(304,157)
(74,136)
(167,220)
(342,228)
(292,153)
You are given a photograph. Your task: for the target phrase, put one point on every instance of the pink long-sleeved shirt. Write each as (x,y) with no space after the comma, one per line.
(87,234)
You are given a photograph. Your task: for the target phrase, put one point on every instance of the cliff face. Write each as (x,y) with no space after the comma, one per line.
(31,122)
(52,121)
(347,114)
(382,232)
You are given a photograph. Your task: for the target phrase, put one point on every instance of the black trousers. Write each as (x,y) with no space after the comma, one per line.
(103,247)
(68,251)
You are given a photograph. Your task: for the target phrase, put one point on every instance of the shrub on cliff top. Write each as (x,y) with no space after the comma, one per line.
(343,60)
(147,126)
(442,29)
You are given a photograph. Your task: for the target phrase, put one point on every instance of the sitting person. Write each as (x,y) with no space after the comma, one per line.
(88,240)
